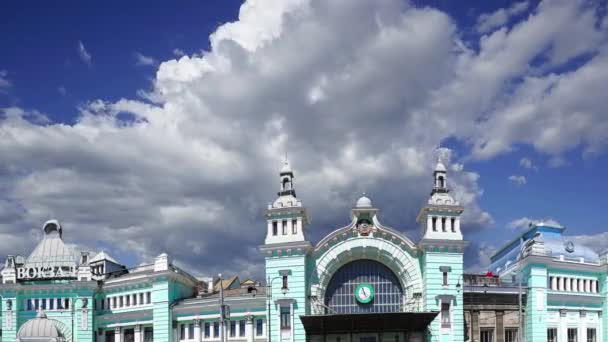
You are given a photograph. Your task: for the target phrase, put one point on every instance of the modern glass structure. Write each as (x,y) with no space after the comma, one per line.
(364,282)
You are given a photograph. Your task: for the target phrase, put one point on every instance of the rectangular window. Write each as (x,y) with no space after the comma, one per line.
(103,304)
(121,301)
(51,304)
(294,226)
(191,330)
(434,220)
(275,228)
(148,297)
(284,223)
(259,327)
(591,336)
(443,226)
(216,329)
(141,298)
(182,332)
(135,299)
(29,305)
(241,328)
(43,304)
(285,318)
(572,334)
(453,225)
(445,278)
(445,314)
(128,300)
(148,334)
(552,335)
(59,304)
(232,328)
(36,304)
(486,335)
(510,334)
(66,303)
(207,330)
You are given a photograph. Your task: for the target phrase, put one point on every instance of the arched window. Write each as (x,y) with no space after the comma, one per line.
(286,184)
(340,293)
(441,182)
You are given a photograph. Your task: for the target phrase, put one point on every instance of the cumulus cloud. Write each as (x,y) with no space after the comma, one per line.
(598,242)
(489,21)
(178,52)
(84,55)
(5,83)
(518,179)
(527,164)
(143,60)
(525,222)
(359,94)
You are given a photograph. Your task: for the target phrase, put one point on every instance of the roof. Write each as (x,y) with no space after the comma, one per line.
(39,327)
(103,256)
(50,252)
(225,283)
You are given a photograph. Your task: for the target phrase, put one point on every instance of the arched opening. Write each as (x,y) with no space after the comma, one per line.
(286,184)
(340,296)
(441,182)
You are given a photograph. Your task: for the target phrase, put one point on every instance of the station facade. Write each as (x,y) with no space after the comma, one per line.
(364,282)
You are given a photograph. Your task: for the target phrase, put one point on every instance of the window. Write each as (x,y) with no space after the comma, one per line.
(128,300)
(182,332)
(284,223)
(29,305)
(259,327)
(275,228)
(285,318)
(486,335)
(135,299)
(443,226)
(510,334)
(141,298)
(294,226)
(66,303)
(241,328)
(216,329)
(445,314)
(148,334)
(591,337)
(51,304)
(148,297)
(232,328)
(445,278)
(453,225)
(207,330)
(59,305)
(552,335)
(434,220)
(572,334)
(191,330)
(43,304)
(36,304)
(121,301)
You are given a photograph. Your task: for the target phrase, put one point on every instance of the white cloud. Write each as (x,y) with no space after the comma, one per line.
(85,56)
(178,52)
(358,94)
(598,242)
(5,83)
(143,60)
(524,223)
(518,179)
(488,22)
(527,163)
(62,91)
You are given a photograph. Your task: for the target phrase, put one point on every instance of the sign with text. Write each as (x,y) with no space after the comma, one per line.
(46,272)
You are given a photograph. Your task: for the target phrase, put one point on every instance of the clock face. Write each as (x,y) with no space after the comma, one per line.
(364,293)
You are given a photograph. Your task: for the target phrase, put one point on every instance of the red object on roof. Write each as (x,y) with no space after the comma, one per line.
(489,274)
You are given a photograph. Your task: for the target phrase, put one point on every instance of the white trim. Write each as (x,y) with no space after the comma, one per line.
(203,317)
(115,325)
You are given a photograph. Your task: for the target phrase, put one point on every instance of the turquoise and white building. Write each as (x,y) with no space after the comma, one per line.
(364,282)
(564,285)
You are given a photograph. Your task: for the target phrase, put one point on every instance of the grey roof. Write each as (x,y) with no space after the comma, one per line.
(51,251)
(39,327)
(103,256)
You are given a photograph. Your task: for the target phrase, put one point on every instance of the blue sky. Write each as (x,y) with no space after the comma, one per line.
(147,127)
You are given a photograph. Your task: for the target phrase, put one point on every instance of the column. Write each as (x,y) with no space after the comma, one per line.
(269,228)
(582,327)
(500,331)
(575,285)
(197,330)
(567,280)
(563,326)
(249,330)
(117,334)
(553,283)
(137,333)
(475,326)
(448,224)
(289,227)
(291,319)
(278,325)
(560,284)
(587,285)
(299,222)
(429,223)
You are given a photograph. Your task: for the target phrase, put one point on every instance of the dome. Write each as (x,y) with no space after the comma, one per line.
(440,167)
(40,328)
(364,202)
